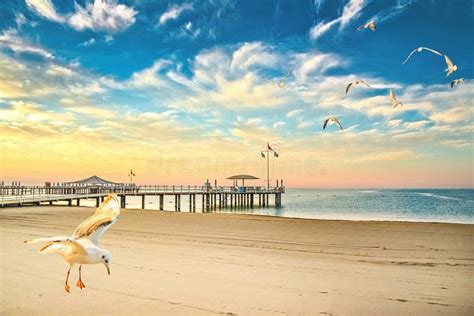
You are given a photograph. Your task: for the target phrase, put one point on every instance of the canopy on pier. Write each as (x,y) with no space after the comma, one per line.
(93,181)
(243,177)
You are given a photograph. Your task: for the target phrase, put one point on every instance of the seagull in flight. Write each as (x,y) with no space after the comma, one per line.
(420,49)
(451,67)
(455,82)
(394,100)
(281,83)
(370,25)
(355,83)
(83,246)
(332,120)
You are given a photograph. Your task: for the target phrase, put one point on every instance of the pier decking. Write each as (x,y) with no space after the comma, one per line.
(212,197)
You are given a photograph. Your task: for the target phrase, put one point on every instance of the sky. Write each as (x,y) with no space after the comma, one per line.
(184,91)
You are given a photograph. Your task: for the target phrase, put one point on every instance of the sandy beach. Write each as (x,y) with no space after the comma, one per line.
(168,263)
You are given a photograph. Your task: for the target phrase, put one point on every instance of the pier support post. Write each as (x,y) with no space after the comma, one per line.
(143,201)
(50,202)
(78,202)
(161,198)
(251,200)
(122,201)
(194,203)
(207,202)
(69,202)
(97,202)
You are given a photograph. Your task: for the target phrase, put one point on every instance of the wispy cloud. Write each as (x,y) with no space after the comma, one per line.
(99,16)
(174,12)
(12,40)
(46,9)
(393,11)
(350,11)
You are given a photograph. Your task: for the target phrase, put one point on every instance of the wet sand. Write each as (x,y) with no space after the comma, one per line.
(168,263)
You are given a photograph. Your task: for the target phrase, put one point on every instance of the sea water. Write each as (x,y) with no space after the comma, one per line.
(421,205)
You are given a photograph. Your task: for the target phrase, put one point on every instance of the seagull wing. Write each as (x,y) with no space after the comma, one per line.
(348,87)
(59,244)
(325,123)
(453,83)
(392,97)
(338,124)
(448,61)
(362,81)
(363,26)
(432,50)
(409,56)
(287,75)
(105,216)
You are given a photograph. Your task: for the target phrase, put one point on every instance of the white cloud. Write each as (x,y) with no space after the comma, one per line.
(304,124)
(350,11)
(46,9)
(56,70)
(89,42)
(12,40)
(103,15)
(174,12)
(278,125)
(20,20)
(294,113)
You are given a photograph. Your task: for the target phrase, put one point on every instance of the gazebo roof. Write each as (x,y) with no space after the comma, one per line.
(243,177)
(94,180)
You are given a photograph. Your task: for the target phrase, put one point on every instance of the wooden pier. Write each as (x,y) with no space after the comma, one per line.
(211,197)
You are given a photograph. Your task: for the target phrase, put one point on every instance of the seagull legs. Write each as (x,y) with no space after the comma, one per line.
(66,286)
(79,283)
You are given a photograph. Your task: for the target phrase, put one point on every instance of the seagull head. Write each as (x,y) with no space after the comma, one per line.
(106,259)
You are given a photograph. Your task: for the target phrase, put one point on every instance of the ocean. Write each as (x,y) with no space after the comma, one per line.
(420,205)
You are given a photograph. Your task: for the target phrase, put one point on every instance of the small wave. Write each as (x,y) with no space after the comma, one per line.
(437,196)
(369,191)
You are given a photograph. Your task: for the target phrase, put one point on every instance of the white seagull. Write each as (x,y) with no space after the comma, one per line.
(451,67)
(455,82)
(355,83)
(83,246)
(281,83)
(332,120)
(394,100)
(370,25)
(420,49)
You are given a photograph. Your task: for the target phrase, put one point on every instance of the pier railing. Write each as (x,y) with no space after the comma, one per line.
(9,190)
(211,196)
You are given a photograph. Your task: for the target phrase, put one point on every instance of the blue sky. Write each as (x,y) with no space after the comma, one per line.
(184,78)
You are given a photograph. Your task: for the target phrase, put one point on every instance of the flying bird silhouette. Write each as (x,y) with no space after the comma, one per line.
(394,100)
(332,120)
(420,49)
(370,25)
(83,246)
(355,83)
(451,67)
(455,82)
(281,83)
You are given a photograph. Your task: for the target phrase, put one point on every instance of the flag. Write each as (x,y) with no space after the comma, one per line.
(268,146)
(263,155)
(131,173)
(276,154)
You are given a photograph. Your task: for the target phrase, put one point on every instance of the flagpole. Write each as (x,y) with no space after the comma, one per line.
(268,169)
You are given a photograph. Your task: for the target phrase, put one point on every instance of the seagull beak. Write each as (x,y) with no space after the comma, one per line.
(108,269)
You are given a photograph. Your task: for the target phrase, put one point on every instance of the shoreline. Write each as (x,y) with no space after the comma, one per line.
(271,216)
